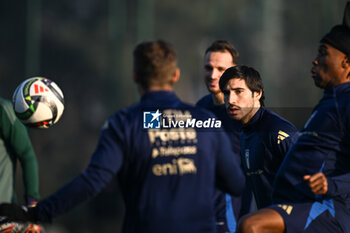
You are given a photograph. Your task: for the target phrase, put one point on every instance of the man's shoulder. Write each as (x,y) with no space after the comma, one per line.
(4,103)
(343,99)
(127,114)
(206,101)
(137,111)
(276,131)
(198,111)
(6,107)
(274,123)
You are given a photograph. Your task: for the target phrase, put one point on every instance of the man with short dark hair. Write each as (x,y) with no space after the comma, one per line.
(311,191)
(266,137)
(167,174)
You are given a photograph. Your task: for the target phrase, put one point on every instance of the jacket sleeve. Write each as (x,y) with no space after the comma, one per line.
(105,163)
(282,139)
(19,145)
(338,185)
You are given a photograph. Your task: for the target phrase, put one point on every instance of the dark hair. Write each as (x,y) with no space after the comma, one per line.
(223,46)
(155,63)
(249,75)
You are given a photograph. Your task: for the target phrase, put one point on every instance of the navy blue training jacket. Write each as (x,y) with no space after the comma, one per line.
(167,175)
(228,209)
(265,140)
(323,146)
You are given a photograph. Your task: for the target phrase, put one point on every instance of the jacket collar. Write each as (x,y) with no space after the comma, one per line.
(252,124)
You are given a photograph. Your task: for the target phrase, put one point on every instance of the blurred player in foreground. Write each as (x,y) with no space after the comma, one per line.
(167,175)
(219,56)
(266,137)
(311,192)
(15,145)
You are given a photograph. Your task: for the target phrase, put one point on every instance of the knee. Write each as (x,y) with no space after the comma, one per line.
(265,220)
(249,224)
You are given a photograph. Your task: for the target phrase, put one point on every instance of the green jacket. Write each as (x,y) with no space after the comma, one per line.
(15,145)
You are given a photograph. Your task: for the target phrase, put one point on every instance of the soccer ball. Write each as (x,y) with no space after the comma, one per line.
(38,102)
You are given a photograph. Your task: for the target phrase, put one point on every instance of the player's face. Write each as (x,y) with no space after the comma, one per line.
(215,64)
(241,103)
(327,66)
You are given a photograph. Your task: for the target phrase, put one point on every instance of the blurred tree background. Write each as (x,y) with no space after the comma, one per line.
(85,46)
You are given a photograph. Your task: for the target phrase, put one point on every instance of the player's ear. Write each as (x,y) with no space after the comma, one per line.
(346,65)
(176,76)
(346,61)
(258,94)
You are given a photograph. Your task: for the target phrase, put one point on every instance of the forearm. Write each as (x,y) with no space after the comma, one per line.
(338,185)
(30,176)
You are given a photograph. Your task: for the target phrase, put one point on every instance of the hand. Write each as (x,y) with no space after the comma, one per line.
(317,182)
(13,212)
(31,202)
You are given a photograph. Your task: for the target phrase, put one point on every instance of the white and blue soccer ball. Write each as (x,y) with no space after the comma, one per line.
(38,102)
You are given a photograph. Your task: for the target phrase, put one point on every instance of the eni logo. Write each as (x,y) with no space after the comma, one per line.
(180,166)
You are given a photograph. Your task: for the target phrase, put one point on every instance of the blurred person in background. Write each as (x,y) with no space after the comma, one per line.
(219,56)
(166,175)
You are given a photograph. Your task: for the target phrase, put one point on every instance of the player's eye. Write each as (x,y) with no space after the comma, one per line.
(221,69)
